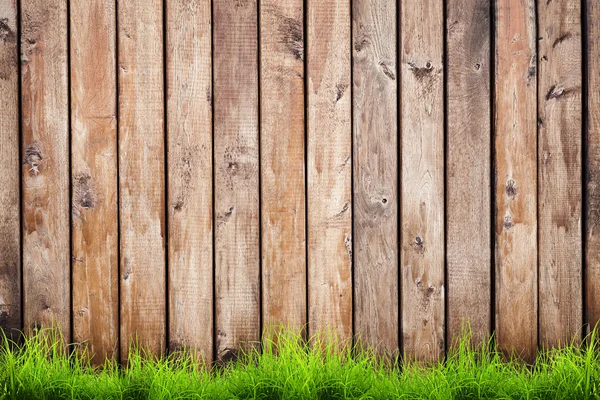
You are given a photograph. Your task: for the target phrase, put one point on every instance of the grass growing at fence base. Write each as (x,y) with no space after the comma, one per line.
(38,369)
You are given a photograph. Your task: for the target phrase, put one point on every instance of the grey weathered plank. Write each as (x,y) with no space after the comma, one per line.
(516,178)
(10,192)
(375,165)
(329,167)
(559,171)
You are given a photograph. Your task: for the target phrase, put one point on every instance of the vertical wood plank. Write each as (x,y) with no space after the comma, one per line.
(282,163)
(422,130)
(468,206)
(592,169)
(141,175)
(189,135)
(559,172)
(375,173)
(516,177)
(329,167)
(45,166)
(10,229)
(94,207)
(237,263)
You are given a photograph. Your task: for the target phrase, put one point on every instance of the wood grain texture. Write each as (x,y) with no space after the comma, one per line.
(141,175)
(10,192)
(516,178)
(375,168)
(592,168)
(94,207)
(237,248)
(329,167)
(559,171)
(282,164)
(468,160)
(422,194)
(189,139)
(45,165)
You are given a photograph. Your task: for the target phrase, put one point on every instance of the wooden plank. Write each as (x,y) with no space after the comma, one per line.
(422,130)
(468,185)
(516,178)
(141,175)
(10,192)
(592,169)
(237,260)
(282,164)
(189,135)
(375,173)
(45,168)
(95,252)
(329,167)
(559,172)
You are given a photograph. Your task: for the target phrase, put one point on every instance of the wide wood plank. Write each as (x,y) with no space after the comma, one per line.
(95,252)
(45,165)
(375,168)
(237,248)
(189,136)
(468,160)
(592,168)
(329,167)
(516,178)
(422,194)
(282,163)
(141,175)
(559,171)
(10,192)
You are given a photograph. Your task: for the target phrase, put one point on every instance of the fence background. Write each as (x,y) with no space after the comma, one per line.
(194,171)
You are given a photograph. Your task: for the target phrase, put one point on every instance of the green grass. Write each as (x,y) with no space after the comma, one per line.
(39,369)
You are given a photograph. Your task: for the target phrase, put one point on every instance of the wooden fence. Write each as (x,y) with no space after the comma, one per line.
(193,171)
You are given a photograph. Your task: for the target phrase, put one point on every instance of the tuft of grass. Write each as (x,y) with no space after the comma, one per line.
(289,367)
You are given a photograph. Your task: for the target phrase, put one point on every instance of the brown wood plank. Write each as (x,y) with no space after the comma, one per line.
(95,252)
(141,175)
(282,163)
(516,178)
(189,135)
(559,172)
(45,167)
(468,185)
(375,173)
(422,194)
(10,225)
(592,169)
(329,167)
(237,262)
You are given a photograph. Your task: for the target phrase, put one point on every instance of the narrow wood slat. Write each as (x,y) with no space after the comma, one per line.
(10,242)
(592,168)
(516,178)
(375,173)
(468,212)
(237,262)
(329,167)
(559,171)
(282,164)
(95,253)
(422,131)
(45,165)
(141,175)
(189,136)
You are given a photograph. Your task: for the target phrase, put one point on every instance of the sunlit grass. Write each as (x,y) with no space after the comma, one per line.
(291,369)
